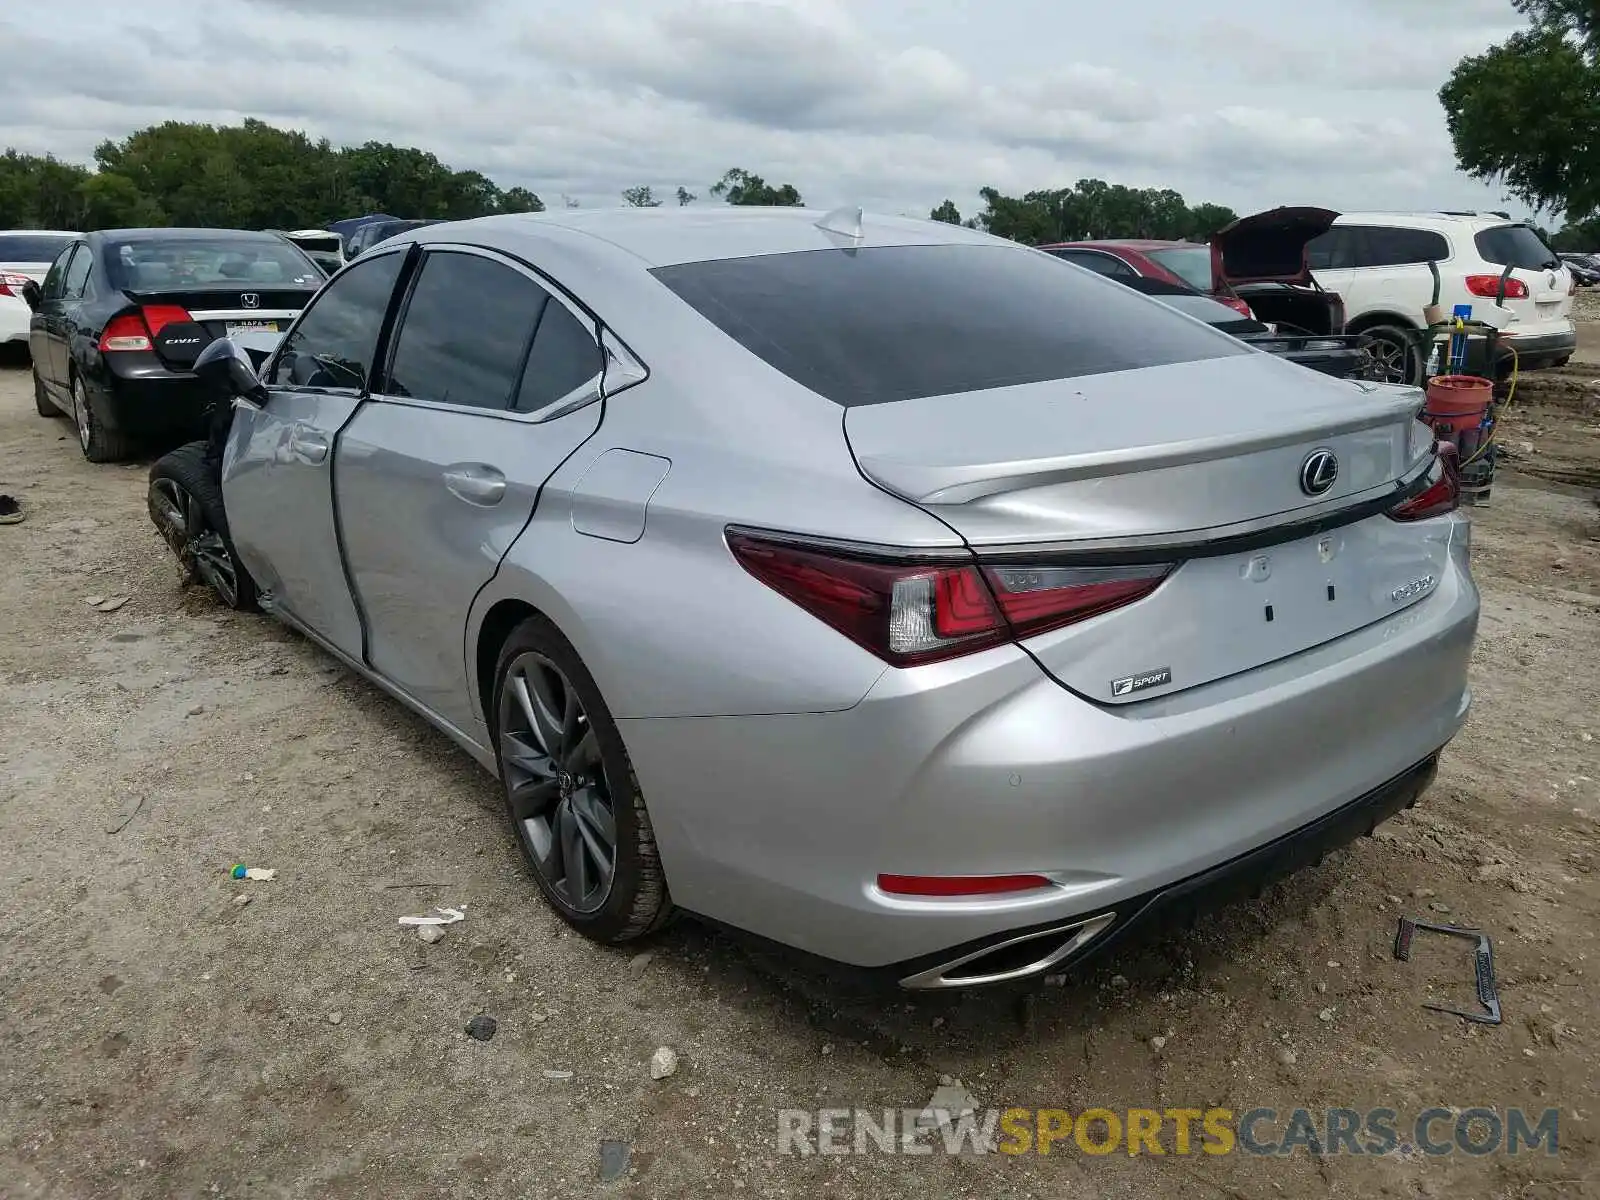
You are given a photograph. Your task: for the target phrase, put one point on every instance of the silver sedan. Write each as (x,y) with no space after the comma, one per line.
(896,592)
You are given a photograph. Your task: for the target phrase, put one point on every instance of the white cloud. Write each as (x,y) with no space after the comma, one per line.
(879,102)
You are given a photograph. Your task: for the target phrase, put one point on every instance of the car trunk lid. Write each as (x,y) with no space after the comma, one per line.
(1269,247)
(183,322)
(1209,467)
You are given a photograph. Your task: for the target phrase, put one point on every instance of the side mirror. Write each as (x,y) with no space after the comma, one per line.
(32,296)
(225,368)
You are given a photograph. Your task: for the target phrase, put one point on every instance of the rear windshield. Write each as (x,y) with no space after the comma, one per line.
(1192,264)
(153,264)
(1515,246)
(31,247)
(901,322)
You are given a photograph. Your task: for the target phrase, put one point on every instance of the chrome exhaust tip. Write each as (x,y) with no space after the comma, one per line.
(1014,958)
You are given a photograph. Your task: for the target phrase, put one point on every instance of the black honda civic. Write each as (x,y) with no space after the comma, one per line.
(123,313)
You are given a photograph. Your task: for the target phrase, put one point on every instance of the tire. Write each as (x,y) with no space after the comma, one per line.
(185,503)
(99,444)
(1396,357)
(41,399)
(561,805)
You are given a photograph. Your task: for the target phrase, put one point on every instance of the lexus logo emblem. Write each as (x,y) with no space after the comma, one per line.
(250,300)
(1318,472)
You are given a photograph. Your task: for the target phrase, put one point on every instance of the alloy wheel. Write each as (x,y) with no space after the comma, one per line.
(556,783)
(1389,361)
(80,413)
(200,548)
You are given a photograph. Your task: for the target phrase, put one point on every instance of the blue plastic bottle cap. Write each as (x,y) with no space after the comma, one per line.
(1464,311)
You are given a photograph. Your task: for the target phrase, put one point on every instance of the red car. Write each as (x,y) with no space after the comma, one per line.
(1174,262)
(1256,266)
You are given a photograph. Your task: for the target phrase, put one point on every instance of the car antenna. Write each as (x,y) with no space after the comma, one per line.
(846,222)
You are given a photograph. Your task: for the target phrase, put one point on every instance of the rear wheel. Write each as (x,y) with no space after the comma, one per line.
(99,444)
(571,792)
(1394,355)
(185,501)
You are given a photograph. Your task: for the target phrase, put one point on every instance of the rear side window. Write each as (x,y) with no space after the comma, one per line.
(1515,246)
(77,274)
(465,332)
(564,357)
(1192,264)
(900,322)
(31,247)
(1384,246)
(333,344)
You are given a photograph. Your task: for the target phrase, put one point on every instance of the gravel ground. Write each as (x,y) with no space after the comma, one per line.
(169,1032)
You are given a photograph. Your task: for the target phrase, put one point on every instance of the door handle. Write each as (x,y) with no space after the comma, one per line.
(476,483)
(307,444)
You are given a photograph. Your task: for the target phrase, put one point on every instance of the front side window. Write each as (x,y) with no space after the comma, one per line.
(465,332)
(55,278)
(1337,250)
(333,344)
(888,323)
(1100,264)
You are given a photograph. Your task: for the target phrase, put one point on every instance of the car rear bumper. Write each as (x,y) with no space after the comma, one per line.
(141,397)
(986,766)
(1536,350)
(14,319)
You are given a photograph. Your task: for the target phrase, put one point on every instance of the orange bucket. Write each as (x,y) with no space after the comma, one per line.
(1457,403)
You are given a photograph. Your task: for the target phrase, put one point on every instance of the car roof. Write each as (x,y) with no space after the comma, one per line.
(1129,244)
(71,233)
(1426,220)
(186,235)
(667,237)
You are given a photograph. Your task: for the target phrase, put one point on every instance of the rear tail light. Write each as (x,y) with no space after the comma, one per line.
(1238,306)
(134,331)
(1441,496)
(909,614)
(11,285)
(1488,286)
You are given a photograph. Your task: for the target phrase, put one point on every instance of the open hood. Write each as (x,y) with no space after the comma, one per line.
(1269,247)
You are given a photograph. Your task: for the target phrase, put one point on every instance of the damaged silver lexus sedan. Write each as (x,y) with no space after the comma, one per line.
(876,586)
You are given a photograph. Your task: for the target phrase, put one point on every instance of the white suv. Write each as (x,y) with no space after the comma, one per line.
(1378,262)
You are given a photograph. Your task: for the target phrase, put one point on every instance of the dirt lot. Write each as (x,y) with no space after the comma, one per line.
(162,1040)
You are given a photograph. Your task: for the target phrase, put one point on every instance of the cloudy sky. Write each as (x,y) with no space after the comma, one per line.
(893,104)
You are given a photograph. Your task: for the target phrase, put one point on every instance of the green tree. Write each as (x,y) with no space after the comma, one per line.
(946,212)
(1524,112)
(1580,237)
(520,200)
(40,192)
(640,197)
(1093,209)
(685,196)
(112,201)
(739,186)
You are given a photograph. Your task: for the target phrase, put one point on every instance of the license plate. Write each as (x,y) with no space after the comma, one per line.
(235,328)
